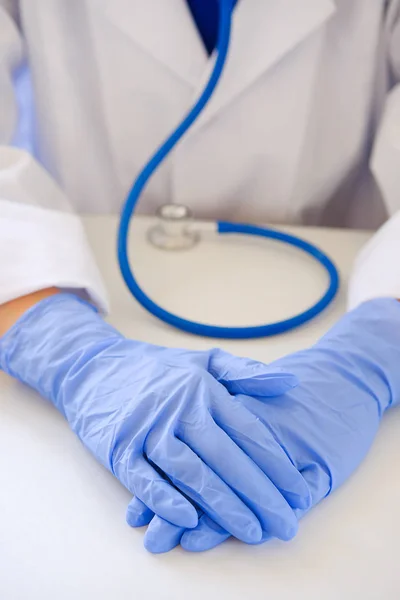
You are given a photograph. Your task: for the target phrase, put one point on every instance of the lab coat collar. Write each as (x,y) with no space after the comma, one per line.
(263,32)
(165,30)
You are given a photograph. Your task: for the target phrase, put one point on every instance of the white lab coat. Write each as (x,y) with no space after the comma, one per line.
(309,99)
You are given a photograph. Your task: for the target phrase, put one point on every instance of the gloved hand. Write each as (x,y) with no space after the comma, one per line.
(327,423)
(145,411)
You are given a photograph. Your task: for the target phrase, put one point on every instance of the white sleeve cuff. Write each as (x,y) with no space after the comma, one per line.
(41,248)
(376,273)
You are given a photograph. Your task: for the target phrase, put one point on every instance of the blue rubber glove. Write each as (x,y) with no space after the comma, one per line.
(145,412)
(327,424)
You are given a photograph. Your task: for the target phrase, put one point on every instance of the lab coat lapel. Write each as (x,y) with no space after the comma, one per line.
(165,30)
(263,33)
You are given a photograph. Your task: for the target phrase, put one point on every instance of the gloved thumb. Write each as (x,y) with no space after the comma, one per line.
(250,377)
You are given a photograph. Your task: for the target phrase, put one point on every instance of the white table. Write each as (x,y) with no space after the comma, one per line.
(62,529)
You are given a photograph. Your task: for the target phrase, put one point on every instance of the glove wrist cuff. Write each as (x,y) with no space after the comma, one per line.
(369,338)
(52,335)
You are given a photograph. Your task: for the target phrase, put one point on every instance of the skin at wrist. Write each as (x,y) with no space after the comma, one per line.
(11,311)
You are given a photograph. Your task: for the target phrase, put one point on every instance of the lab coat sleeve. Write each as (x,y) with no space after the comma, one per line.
(376,272)
(42,241)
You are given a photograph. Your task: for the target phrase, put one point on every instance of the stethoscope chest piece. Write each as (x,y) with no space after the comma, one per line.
(173,228)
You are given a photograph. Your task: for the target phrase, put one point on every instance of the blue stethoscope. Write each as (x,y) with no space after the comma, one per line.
(175,215)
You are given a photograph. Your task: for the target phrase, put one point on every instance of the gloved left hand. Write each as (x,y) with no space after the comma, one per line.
(326,424)
(145,411)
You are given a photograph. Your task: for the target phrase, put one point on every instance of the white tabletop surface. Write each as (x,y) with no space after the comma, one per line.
(62,516)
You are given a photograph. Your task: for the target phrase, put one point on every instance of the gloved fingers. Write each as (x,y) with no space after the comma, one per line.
(266,537)
(137,514)
(205,536)
(162,536)
(247,376)
(160,496)
(208,441)
(256,440)
(197,481)
(208,535)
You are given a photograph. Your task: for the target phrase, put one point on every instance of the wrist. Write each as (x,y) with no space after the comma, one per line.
(12,311)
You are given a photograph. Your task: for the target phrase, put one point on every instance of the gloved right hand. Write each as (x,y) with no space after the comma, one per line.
(153,415)
(347,381)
